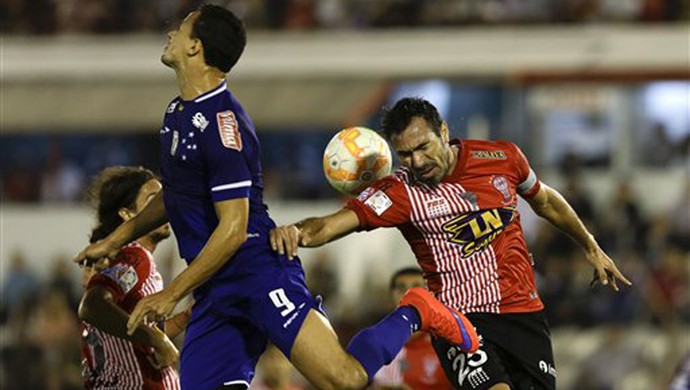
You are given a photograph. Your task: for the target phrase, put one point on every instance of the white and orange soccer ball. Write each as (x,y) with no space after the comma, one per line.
(355,158)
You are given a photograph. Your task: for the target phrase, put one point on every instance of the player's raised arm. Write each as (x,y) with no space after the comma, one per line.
(150,218)
(313,232)
(550,205)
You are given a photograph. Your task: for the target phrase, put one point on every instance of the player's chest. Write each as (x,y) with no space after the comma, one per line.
(471,194)
(180,135)
(471,213)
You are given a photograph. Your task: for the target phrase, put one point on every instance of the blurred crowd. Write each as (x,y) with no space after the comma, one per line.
(121,16)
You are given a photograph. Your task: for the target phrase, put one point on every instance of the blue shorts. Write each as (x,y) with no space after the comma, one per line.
(235,316)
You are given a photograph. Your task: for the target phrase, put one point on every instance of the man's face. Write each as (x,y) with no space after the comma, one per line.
(179,41)
(146,193)
(403,283)
(424,152)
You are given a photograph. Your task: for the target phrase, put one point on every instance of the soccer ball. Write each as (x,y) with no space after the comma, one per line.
(355,158)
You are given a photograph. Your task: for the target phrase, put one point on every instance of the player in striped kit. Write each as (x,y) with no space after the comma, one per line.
(111,358)
(455,203)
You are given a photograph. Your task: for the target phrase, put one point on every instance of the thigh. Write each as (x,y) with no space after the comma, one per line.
(219,351)
(295,323)
(530,352)
(281,304)
(472,371)
(318,355)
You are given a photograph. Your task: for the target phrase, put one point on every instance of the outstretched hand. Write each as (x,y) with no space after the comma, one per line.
(97,254)
(286,239)
(605,270)
(155,307)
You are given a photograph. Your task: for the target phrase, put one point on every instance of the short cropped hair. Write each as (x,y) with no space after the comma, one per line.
(112,189)
(223,35)
(404,272)
(396,119)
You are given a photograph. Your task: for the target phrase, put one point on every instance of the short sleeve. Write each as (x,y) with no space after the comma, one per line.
(126,274)
(528,184)
(228,173)
(384,204)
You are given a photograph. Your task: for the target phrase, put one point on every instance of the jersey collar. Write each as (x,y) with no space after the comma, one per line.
(215,91)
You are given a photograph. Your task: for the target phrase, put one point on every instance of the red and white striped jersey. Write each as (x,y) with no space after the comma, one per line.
(465,232)
(110,362)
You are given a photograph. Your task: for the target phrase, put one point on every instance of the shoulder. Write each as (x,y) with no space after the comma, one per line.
(172,105)
(401,177)
(489,150)
(133,255)
(220,123)
(131,265)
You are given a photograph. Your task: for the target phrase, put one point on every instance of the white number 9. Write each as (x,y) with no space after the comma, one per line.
(280,300)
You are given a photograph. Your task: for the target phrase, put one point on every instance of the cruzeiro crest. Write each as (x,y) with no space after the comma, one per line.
(476,230)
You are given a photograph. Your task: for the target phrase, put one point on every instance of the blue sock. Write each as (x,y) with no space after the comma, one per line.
(377,345)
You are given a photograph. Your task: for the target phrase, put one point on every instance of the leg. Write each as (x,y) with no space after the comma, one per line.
(318,355)
(287,313)
(289,316)
(219,351)
(373,347)
(531,353)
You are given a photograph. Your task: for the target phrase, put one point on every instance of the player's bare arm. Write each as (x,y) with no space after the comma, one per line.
(150,218)
(550,205)
(227,237)
(313,232)
(99,309)
(177,323)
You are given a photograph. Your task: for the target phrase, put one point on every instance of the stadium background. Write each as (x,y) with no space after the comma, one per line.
(594,91)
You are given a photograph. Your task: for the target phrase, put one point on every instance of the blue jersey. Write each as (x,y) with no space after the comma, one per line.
(210,153)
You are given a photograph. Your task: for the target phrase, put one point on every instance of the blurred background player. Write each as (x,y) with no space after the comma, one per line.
(416,367)
(245,293)
(111,357)
(455,203)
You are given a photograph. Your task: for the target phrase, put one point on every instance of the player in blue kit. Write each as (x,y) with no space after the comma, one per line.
(245,293)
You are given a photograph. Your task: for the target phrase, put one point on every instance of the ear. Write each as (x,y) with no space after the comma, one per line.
(195,47)
(125,213)
(445,136)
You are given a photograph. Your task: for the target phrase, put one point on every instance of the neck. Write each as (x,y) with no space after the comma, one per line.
(193,81)
(452,158)
(148,243)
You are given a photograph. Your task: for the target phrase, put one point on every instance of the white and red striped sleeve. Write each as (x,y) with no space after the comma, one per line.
(383,204)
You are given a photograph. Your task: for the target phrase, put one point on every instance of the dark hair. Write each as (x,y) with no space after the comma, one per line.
(112,189)
(404,272)
(396,119)
(222,34)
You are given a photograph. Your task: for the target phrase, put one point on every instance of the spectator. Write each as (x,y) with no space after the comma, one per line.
(19,287)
